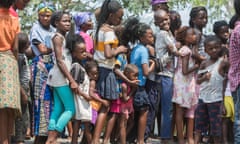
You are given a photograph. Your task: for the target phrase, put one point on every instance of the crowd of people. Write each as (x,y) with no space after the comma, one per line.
(114,80)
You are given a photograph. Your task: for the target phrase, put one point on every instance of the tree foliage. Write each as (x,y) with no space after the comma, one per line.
(217,9)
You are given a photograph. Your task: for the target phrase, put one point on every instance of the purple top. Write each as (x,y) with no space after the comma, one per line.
(153,2)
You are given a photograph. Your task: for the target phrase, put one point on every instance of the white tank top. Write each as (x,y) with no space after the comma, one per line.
(55,77)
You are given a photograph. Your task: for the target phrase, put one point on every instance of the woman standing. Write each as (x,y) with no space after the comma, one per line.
(10,106)
(40,37)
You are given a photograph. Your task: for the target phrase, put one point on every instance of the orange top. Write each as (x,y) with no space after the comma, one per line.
(9,28)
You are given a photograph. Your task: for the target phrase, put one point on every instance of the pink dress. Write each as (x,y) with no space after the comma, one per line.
(185,88)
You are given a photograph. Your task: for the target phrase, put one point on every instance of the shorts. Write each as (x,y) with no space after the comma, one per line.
(229,106)
(141,100)
(208,115)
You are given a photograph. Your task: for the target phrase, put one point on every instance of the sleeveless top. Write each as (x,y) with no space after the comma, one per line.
(55,77)
(211,91)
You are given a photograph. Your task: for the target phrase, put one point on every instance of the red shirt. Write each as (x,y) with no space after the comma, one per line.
(234,58)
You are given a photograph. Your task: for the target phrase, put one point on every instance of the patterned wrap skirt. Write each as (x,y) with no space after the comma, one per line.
(107,85)
(9,83)
(42,94)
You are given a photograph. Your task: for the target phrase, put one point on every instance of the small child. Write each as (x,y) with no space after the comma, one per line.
(198,21)
(91,68)
(184,92)
(24,75)
(211,78)
(126,114)
(221,29)
(82,106)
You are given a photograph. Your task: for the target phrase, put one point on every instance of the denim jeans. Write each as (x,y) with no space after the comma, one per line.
(166,107)
(236,99)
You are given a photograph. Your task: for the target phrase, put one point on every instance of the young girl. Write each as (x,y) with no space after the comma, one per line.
(211,77)
(198,20)
(91,68)
(221,29)
(184,92)
(60,78)
(126,115)
(105,51)
(139,56)
(10,106)
(115,109)
(84,23)
(82,106)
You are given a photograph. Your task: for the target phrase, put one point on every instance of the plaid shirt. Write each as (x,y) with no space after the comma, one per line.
(234,71)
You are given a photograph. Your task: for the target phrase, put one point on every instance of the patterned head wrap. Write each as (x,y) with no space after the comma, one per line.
(81,18)
(154,2)
(46,7)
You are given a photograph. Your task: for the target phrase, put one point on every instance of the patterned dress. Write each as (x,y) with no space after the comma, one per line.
(185,87)
(42,94)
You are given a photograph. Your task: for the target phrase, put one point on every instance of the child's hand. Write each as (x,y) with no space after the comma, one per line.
(122,49)
(223,109)
(134,83)
(105,103)
(74,86)
(207,76)
(125,99)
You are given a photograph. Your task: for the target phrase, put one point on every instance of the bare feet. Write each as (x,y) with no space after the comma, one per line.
(52,137)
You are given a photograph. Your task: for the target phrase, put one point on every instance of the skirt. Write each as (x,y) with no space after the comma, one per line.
(42,95)
(9,83)
(107,84)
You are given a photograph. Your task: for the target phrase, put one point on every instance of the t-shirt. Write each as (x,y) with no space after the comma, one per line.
(139,56)
(106,35)
(163,39)
(9,28)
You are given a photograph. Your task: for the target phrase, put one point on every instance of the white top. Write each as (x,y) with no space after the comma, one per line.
(228,90)
(55,77)
(106,35)
(211,91)
(82,106)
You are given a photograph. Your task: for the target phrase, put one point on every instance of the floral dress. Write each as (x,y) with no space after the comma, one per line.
(185,88)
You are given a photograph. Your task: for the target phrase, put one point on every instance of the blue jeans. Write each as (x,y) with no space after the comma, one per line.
(236,99)
(166,107)
(64,108)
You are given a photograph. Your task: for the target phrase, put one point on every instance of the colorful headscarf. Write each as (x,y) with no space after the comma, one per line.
(154,2)
(81,18)
(46,7)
